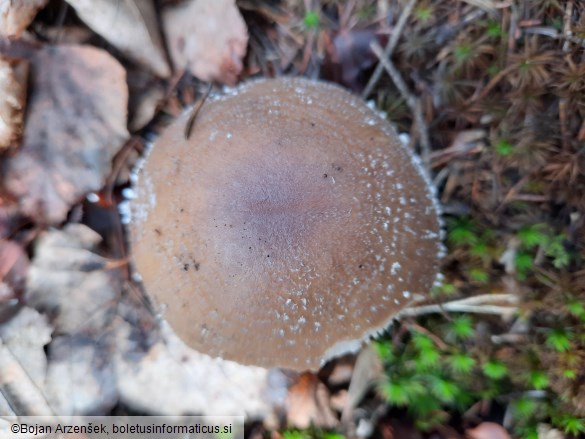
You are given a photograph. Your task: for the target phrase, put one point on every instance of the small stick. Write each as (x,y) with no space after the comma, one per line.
(493,82)
(476,304)
(411,100)
(418,328)
(396,33)
(195,112)
(567,25)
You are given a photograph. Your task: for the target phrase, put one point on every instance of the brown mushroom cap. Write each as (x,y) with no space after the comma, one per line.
(290,226)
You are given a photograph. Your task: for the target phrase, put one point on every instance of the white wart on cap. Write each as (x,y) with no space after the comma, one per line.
(290,226)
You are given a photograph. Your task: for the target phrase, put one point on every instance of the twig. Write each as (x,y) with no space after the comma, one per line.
(493,82)
(458,307)
(512,30)
(481,304)
(411,100)
(515,190)
(486,298)
(418,328)
(486,5)
(195,112)
(389,50)
(567,25)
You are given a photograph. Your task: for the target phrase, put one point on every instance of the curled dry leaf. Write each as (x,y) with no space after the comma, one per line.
(208,38)
(71,283)
(129,25)
(16,15)
(76,122)
(13,76)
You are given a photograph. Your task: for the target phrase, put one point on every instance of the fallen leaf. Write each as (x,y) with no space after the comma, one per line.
(13,76)
(75,289)
(208,38)
(6,410)
(307,403)
(487,430)
(80,375)
(129,25)
(16,15)
(76,122)
(71,283)
(23,362)
(146,95)
(154,379)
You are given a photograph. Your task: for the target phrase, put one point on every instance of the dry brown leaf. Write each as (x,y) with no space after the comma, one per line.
(145,106)
(307,403)
(129,25)
(73,286)
(208,38)
(146,95)
(487,430)
(71,283)
(16,15)
(13,76)
(76,122)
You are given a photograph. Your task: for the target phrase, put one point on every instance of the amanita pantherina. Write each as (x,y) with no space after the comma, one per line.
(290,226)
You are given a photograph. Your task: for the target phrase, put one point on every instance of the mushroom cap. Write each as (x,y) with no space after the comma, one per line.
(289,227)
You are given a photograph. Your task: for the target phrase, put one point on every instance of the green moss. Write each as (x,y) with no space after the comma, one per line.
(311,20)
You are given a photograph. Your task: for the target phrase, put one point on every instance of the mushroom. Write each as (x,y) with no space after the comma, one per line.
(292,225)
